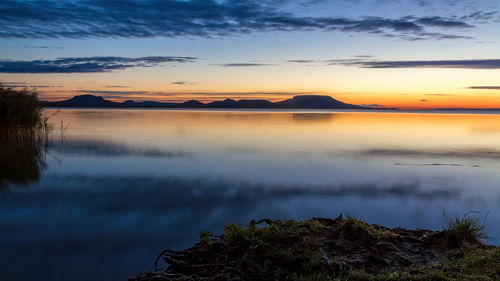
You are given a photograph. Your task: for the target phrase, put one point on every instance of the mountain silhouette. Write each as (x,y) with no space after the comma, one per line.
(227,103)
(190,104)
(297,102)
(131,103)
(315,102)
(87,100)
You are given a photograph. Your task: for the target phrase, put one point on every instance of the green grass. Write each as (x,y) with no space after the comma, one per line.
(478,263)
(465,228)
(287,250)
(279,249)
(323,249)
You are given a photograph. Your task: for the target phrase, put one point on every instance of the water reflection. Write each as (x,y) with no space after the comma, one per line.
(115,226)
(466,153)
(312,117)
(125,184)
(110,149)
(22,158)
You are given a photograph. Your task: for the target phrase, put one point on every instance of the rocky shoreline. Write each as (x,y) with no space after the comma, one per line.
(332,249)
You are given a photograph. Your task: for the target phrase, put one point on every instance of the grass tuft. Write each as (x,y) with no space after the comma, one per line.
(465,228)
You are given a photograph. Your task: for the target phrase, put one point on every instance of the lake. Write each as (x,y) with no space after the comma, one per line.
(116,187)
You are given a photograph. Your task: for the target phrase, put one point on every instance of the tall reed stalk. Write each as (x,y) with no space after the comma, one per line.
(24,136)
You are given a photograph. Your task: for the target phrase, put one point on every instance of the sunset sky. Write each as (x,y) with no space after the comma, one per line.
(387,53)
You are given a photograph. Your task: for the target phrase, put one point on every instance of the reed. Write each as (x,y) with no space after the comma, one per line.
(24,136)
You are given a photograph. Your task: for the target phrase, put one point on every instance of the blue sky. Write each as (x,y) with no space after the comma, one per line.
(389,52)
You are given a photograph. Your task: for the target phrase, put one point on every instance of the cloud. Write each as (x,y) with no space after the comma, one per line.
(116,86)
(182,83)
(442,22)
(25,85)
(120,93)
(205,18)
(13,84)
(484,87)
(301,61)
(467,64)
(182,96)
(86,64)
(424,100)
(244,64)
(480,16)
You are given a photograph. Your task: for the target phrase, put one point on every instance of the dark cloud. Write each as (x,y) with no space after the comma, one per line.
(469,64)
(354,59)
(206,18)
(484,87)
(480,16)
(116,86)
(363,56)
(86,64)
(244,64)
(424,100)
(442,22)
(121,93)
(5,83)
(301,61)
(182,83)
(25,85)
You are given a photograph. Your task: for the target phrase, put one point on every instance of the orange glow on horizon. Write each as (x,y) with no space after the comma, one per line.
(402,101)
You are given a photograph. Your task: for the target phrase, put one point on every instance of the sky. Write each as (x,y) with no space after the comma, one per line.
(408,54)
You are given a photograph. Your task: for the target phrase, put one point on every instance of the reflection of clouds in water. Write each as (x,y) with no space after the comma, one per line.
(215,192)
(242,149)
(313,117)
(245,115)
(110,149)
(117,225)
(92,114)
(488,153)
(436,164)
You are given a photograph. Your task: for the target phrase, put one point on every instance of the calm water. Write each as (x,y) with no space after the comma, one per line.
(119,186)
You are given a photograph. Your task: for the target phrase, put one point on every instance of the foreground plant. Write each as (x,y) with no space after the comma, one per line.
(24,137)
(326,249)
(465,228)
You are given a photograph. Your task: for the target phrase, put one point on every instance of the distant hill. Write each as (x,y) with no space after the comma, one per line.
(85,101)
(190,104)
(297,102)
(131,103)
(315,102)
